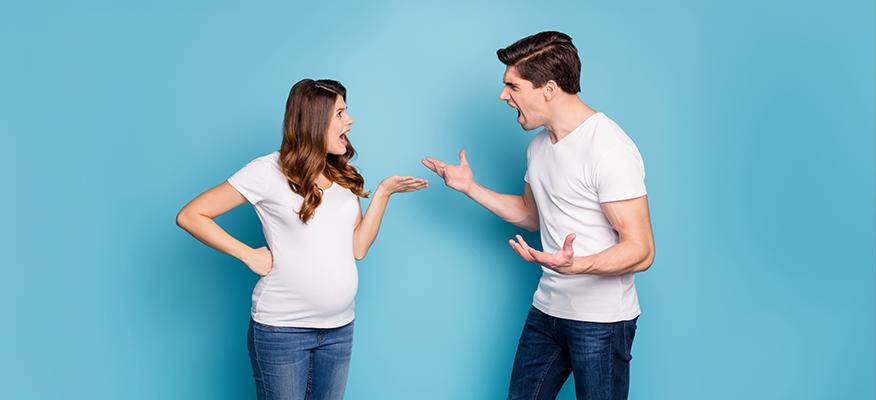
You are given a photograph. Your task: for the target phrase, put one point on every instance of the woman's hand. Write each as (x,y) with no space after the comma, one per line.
(402,184)
(259,260)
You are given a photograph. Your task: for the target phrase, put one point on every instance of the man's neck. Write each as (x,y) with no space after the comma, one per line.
(569,114)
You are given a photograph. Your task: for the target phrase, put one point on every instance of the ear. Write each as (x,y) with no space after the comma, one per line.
(550,90)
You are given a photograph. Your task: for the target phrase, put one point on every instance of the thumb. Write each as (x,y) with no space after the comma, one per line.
(462,159)
(567,245)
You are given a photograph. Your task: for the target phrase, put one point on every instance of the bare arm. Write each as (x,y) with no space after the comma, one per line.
(519,210)
(634,251)
(197,219)
(368,226)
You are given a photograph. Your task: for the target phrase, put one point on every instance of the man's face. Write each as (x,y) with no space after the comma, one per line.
(522,96)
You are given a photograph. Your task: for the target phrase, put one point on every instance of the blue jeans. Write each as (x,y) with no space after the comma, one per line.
(299,363)
(550,348)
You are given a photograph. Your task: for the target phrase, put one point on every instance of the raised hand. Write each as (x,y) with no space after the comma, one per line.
(402,184)
(458,177)
(562,261)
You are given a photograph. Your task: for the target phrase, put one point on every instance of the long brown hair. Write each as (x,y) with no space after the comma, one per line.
(303,154)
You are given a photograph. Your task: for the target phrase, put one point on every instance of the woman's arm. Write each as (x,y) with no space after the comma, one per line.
(367,226)
(196,218)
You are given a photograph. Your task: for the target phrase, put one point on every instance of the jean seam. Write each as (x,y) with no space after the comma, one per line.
(544,374)
(308,391)
(609,387)
(256,353)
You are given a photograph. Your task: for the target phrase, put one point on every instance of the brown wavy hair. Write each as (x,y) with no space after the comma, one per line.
(303,154)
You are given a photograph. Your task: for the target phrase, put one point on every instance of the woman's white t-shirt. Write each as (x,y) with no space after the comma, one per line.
(595,163)
(314,278)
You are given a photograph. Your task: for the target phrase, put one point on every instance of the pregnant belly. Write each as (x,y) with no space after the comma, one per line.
(303,292)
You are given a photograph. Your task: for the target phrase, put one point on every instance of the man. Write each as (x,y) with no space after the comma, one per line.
(584,189)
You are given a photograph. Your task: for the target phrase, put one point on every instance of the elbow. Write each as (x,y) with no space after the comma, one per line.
(359,253)
(182,219)
(648,261)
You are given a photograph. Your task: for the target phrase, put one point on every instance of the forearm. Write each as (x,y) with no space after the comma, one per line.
(509,207)
(622,258)
(210,233)
(365,234)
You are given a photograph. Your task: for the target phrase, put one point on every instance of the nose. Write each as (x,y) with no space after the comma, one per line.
(350,120)
(503,95)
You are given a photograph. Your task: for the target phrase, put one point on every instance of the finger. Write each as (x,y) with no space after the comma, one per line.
(520,251)
(413,187)
(438,163)
(522,242)
(429,165)
(462,159)
(567,245)
(540,257)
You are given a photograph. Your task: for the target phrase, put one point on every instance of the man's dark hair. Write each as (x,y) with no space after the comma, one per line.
(545,56)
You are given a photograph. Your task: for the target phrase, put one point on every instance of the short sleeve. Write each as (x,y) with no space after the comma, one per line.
(251,180)
(620,176)
(529,156)
(526,175)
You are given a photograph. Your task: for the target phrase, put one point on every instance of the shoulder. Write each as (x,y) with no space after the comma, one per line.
(609,138)
(268,159)
(267,162)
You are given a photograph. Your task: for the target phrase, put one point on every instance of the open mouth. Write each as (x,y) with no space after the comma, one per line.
(343,139)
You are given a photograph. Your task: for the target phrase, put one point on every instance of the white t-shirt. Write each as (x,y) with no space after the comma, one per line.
(314,278)
(596,163)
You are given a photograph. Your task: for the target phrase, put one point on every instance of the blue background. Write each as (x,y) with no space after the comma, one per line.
(755,119)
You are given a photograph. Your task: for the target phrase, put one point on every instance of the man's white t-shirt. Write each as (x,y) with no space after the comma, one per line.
(596,163)
(314,278)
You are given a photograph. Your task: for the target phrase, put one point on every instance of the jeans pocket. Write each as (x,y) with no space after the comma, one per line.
(629,333)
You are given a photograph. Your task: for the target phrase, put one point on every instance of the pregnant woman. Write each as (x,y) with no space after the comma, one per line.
(307,198)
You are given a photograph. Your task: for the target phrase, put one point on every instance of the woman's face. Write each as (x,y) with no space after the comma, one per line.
(339,125)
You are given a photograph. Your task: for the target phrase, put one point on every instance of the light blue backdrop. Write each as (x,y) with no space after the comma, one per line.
(756,122)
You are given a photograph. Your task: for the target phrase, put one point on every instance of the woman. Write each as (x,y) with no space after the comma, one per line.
(307,198)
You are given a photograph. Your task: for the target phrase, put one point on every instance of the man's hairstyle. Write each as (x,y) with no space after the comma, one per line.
(545,56)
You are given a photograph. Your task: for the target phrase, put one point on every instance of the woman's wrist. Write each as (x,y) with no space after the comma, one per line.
(381,192)
(244,254)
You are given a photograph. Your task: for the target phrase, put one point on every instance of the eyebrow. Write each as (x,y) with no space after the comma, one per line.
(341,109)
(510,83)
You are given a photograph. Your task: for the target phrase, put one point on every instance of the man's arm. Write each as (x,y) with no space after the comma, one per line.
(516,209)
(634,251)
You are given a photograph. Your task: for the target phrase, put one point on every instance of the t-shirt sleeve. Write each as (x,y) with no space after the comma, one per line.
(528,156)
(620,176)
(251,181)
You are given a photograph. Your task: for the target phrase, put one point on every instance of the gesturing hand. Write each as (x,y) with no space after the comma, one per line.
(402,184)
(458,177)
(561,261)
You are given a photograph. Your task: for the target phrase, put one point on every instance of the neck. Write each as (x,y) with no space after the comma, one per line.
(569,113)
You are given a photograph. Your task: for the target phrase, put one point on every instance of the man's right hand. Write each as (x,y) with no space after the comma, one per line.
(458,177)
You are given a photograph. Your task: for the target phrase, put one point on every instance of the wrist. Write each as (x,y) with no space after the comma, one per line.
(244,254)
(381,193)
(472,189)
